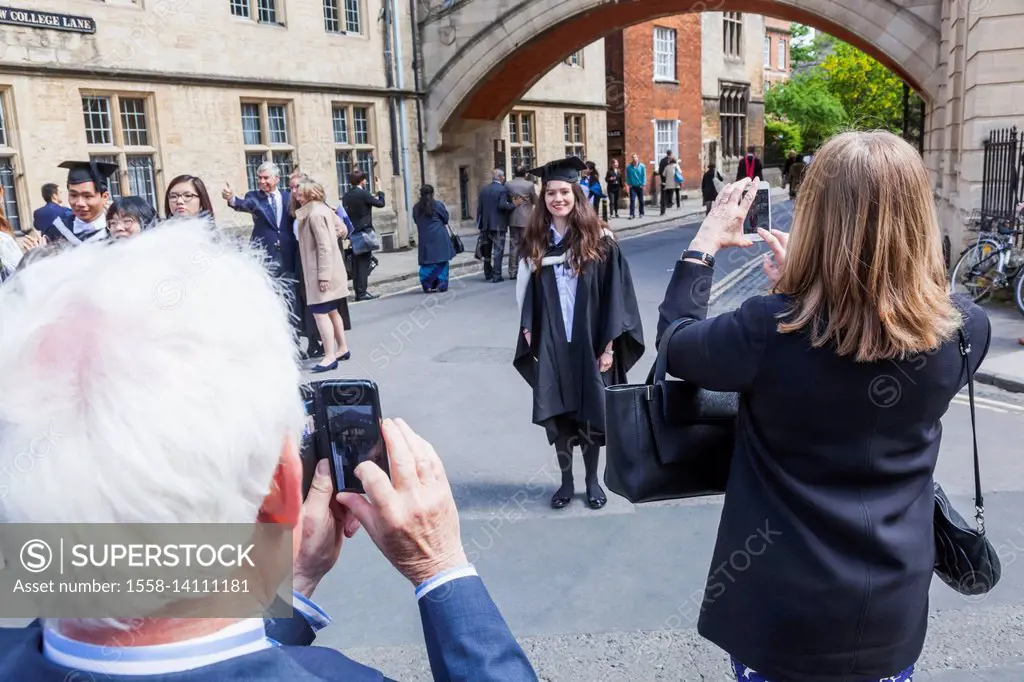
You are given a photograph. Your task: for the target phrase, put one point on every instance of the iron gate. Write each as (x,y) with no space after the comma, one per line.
(1001,176)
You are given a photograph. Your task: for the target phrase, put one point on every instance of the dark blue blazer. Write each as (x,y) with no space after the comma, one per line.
(825,546)
(466,637)
(277,239)
(494,208)
(43,217)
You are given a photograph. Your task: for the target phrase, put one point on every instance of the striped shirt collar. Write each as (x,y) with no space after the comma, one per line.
(244,637)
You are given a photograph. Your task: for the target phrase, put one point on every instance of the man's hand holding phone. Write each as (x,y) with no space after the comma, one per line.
(325,525)
(411,517)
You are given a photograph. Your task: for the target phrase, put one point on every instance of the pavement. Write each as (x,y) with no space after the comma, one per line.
(607,595)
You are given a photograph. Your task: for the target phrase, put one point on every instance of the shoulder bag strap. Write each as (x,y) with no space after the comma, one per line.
(660,368)
(979,502)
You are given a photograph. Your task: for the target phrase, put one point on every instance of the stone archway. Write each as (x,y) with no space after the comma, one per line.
(480,56)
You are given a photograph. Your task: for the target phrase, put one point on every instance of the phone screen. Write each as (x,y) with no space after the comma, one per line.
(352,412)
(307,449)
(760,212)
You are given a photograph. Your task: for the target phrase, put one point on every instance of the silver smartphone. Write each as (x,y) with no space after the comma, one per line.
(760,214)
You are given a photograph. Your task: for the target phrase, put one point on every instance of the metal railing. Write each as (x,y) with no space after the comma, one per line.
(1001,177)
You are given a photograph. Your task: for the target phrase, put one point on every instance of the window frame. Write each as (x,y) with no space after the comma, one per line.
(253,9)
(732,35)
(734,100)
(767,52)
(516,137)
(569,129)
(672,37)
(352,148)
(267,148)
(659,145)
(783,55)
(10,153)
(341,12)
(119,150)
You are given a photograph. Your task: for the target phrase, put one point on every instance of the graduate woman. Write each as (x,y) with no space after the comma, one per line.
(579,326)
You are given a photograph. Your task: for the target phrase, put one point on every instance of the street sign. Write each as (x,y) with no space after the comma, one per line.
(57,22)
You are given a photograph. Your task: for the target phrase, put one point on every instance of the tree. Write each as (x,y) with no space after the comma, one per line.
(871,94)
(780,138)
(806,101)
(801,49)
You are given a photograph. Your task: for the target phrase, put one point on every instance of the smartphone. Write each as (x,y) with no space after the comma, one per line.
(308,452)
(351,416)
(760,213)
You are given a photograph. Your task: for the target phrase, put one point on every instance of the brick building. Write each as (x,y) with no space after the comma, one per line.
(778,35)
(656,66)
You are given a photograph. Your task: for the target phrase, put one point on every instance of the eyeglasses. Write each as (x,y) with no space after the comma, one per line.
(187,196)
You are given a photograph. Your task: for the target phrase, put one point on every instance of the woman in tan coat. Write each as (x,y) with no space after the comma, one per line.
(323,270)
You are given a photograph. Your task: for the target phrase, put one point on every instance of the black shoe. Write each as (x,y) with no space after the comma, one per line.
(595,496)
(495,280)
(562,498)
(365,297)
(317,369)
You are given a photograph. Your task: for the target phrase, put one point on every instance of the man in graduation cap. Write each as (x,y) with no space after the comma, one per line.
(88,194)
(580,327)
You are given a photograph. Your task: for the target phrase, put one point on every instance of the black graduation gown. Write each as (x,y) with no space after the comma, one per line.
(564,375)
(54,235)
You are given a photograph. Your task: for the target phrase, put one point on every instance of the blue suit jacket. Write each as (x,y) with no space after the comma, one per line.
(42,218)
(277,239)
(467,640)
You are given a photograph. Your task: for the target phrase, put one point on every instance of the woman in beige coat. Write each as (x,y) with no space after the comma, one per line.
(323,270)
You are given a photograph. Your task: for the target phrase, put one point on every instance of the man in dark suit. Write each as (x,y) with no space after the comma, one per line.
(492,213)
(273,229)
(750,166)
(213,440)
(524,196)
(42,218)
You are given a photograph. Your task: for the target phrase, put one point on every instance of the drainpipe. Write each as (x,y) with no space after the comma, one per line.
(417,60)
(403,122)
(389,75)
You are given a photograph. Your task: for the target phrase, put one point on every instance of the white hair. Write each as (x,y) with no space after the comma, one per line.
(151,379)
(269,167)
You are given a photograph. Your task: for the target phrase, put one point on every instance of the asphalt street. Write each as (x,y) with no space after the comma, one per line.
(609,594)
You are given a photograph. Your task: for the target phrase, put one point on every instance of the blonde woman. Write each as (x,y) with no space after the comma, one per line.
(324,280)
(825,548)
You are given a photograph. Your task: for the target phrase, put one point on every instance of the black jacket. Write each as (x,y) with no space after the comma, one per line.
(741,169)
(825,548)
(358,203)
(707,185)
(494,207)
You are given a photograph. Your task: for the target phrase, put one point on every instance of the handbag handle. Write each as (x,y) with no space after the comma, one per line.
(660,368)
(979,502)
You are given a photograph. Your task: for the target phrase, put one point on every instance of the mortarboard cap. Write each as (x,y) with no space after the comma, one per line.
(95,172)
(566,170)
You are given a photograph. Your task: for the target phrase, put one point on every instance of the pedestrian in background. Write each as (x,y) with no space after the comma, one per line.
(750,166)
(592,179)
(130,216)
(53,208)
(524,196)
(709,186)
(838,468)
(670,182)
(613,182)
(323,270)
(493,208)
(636,178)
(580,327)
(435,243)
(359,203)
(187,197)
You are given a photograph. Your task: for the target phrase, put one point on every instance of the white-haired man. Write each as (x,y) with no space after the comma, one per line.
(202,427)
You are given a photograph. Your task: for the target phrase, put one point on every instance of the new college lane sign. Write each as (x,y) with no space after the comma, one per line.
(56,22)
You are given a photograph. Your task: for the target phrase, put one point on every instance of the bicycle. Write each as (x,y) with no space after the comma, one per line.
(992,262)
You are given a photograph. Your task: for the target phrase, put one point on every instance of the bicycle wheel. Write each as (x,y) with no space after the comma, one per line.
(1018,291)
(976,272)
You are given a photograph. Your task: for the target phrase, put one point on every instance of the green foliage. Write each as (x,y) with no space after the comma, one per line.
(801,51)
(871,94)
(806,101)
(781,137)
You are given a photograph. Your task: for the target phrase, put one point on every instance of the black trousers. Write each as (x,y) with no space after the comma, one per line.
(492,251)
(613,199)
(666,199)
(361,271)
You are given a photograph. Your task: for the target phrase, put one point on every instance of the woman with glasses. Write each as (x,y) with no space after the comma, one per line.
(129,216)
(187,197)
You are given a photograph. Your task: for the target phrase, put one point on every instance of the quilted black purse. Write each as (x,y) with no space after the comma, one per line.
(964,558)
(668,439)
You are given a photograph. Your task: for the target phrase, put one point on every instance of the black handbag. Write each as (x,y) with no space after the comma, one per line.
(964,558)
(457,244)
(668,439)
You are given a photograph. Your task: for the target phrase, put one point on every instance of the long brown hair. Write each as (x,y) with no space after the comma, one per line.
(864,262)
(582,236)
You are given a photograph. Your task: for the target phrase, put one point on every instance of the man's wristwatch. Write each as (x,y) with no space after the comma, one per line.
(705,258)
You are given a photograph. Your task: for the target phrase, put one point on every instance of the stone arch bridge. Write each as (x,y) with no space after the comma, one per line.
(964,57)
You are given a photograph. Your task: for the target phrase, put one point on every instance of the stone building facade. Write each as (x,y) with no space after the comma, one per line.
(211,88)
(732,87)
(658,65)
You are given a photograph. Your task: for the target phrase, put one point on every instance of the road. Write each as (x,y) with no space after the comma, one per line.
(606,595)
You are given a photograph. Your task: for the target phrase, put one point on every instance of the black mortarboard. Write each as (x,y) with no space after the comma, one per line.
(566,170)
(95,172)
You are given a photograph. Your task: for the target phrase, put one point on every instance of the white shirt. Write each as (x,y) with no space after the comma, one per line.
(566,279)
(81,227)
(10,252)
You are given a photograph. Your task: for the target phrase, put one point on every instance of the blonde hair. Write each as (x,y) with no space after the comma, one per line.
(864,262)
(311,189)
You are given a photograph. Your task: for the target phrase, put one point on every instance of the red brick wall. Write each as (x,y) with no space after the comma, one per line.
(647,100)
